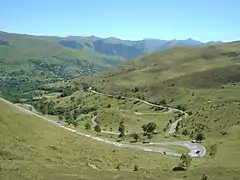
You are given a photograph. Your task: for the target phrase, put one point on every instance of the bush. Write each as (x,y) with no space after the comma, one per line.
(163,102)
(118,166)
(190,113)
(185,132)
(186,160)
(213,150)
(204,177)
(135,136)
(87,126)
(135,89)
(181,107)
(136,167)
(200,137)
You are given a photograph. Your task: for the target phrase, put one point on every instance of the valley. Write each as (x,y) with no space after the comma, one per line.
(143,119)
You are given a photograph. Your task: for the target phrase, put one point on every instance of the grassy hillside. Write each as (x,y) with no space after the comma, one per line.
(26,55)
(209,63)
(26,62)
(205,80)
(31,148)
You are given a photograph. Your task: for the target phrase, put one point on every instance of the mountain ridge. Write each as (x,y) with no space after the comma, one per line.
(115,46)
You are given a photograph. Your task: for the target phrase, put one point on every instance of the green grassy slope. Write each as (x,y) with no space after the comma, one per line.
(208,86)
(175,62)
(31,148)
(203,79)
(224,165)
(36,56)
(82,106)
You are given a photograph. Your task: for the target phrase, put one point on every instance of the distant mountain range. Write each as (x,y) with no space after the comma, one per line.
(112,46)
(52,56)
(126,48)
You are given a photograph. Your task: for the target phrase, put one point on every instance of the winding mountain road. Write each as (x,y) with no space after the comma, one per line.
(169,108)
(193,147)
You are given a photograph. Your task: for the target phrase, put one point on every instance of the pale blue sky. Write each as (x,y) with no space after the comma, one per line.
(203,20)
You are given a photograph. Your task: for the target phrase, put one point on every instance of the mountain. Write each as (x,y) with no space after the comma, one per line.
(126,48)
(189,76)
(117,49)
(48,57)
(203,81)
(100,52)
(173,63)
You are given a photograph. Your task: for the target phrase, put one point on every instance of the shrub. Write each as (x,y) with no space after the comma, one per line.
(185,132)
(118,166)
(136,167)
(200,137)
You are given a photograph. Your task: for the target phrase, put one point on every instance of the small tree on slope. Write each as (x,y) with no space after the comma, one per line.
(135,136)
(200,137)
(87,126)
(97,128)
(121,129)
(186,160)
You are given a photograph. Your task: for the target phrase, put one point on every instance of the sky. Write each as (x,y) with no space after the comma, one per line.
(203,20)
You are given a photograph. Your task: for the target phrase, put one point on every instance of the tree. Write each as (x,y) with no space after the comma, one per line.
(164,129)
(97,128)
(60,117)
(186,160)
(190,113)
(87,126)
(44,110)
(204,177)
(185,132)
(121,135)
(85,87)
(118,166)
(200,137)
(177,127)
(181,107)
(75,123)
(144,128)
(135,89)
(135,136)
(136,167)
(149,136)
(213,150)
(191,135)
(163,102)
(121,129)
(68,116)
(151,127)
